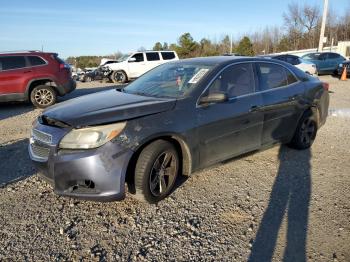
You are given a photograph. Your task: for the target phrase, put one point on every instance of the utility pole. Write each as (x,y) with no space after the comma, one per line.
(231,45)
(323,25)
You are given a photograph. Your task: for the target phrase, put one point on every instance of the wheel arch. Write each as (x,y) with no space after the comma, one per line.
(181,146)
(36,82)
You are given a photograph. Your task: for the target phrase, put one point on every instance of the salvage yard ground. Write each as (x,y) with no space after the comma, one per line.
(273,203)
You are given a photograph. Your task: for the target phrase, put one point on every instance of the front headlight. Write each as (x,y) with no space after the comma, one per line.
(91,137)
(340,65)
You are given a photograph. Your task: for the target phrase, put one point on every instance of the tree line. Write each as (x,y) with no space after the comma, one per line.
(300,30)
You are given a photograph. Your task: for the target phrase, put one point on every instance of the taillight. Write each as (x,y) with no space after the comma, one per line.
(325,86)
(64,66)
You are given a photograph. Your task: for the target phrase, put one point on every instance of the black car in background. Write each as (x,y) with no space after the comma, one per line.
(177,118)
(102,72)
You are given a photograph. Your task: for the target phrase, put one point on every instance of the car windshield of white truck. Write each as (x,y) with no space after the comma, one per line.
(169,80)
(123,58)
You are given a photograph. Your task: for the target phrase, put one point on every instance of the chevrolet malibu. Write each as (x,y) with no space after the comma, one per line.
(178,118)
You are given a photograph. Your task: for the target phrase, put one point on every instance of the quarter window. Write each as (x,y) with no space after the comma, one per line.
(237,80)
(168,55)
(138,57)
(35,61)
(274,76)
(12,62)
(153,56)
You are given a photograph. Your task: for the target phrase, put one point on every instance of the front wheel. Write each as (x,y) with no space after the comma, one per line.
(119,77)
(305,133)
(43,96)
(156,171)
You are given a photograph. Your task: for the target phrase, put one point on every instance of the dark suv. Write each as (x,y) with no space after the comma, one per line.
(36,76)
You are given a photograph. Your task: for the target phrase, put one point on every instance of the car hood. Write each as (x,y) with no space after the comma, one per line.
(105,107)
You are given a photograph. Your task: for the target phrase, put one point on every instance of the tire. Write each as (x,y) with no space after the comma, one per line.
(43,96)
(156,171)
(119,77)
(305,133)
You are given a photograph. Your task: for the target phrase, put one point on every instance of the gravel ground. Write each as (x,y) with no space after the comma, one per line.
(267,205)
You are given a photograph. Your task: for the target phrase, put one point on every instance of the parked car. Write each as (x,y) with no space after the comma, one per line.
(136,64)
(304,65)
(34,76)
(178,118)
(326,63)
(341,68)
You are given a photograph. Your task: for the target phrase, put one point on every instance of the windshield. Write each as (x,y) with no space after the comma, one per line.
(123,58)
(311,56)
(169,80)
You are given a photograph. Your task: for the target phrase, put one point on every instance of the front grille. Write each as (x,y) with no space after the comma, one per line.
(41,136)
(39,151)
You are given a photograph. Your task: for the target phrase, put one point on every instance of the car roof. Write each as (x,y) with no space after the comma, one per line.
(14,53)
(221,60)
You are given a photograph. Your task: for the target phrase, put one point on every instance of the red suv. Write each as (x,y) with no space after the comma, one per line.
(36,76)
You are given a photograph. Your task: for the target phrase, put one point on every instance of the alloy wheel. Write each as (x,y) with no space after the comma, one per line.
(163,174)
(43,97)
(307,131)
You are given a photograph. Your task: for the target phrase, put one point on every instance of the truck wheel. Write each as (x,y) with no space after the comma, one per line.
(305,133)
(156,171)
(43,96)
(119,77)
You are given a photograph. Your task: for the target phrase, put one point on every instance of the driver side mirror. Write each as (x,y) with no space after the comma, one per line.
(132,59)
(213,98)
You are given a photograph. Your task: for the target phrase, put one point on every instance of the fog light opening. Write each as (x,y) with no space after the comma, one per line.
(89,184)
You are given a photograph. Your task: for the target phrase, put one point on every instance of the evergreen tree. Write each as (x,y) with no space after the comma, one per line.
(245,47)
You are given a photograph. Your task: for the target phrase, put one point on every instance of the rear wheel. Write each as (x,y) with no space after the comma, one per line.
(119,77)
(156,171)
(43,96)
(305,133)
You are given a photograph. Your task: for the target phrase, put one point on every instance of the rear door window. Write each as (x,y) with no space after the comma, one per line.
(273,76)
(152,56)
(168,55)
(236,80)
(332,56)
(12,62)
(36,60)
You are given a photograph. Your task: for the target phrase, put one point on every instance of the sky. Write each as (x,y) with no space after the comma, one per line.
(77,27)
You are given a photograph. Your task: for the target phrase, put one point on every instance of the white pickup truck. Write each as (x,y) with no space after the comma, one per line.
(136,64)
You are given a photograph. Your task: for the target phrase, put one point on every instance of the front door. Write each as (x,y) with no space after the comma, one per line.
(137,65)
(233,127)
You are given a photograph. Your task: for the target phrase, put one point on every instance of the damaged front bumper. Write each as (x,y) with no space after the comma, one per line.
(94,174)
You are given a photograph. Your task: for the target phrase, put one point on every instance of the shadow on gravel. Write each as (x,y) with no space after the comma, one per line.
(291,195)
(15,164)
(8,110)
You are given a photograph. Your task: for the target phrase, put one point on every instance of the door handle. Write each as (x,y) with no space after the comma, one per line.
(254,109)
(28,71)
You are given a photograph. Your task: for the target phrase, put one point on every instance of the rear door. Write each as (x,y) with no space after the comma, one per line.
(137,67)
(230,128)
(281,93)
(153,60)
(13,74)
